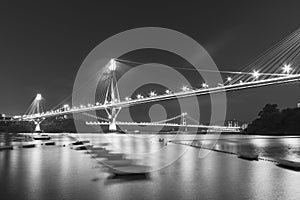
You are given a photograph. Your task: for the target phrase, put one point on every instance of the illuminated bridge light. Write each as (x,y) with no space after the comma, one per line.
(127,98)
(286,68)
(229,79)
(112,65)
(255,74)
(139,96)
(185,88)
(152,94)
(168,91)
(204,85)
(38,97)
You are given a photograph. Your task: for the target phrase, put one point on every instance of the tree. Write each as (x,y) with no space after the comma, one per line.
(273,121)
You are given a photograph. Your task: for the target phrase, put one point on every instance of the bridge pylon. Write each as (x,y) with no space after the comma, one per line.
(183,121)
(112,96)
(35,109)
(37,128)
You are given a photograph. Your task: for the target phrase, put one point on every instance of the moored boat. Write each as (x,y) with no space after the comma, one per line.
(289,164)
(41,137)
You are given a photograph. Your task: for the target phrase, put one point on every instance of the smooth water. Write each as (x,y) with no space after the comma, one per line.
(177,171)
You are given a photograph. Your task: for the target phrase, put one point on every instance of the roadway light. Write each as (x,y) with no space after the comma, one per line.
(66,106)
(126,98)
(229,79)
(255,74)
(184,88)
(152,94)
(286,68)
(204,85)
(139,96)
(168,91)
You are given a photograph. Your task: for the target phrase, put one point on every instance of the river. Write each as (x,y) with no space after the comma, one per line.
(177,171)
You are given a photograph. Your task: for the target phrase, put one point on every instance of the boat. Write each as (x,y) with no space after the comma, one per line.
(99,151)
(289,164)
(83,147)
(110,156)
(6,148)
(80,142)
(32,145)
(117,163)
(248,156)
(41,137)
(129,170)
(49,143)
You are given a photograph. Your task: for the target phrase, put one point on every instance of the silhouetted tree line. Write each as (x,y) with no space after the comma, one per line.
(49,125)
(16,127)
(60,125)
(272,121)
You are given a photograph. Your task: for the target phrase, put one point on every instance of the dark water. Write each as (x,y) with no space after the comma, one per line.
(177,171)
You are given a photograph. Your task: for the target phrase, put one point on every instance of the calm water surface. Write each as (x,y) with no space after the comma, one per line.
(178,171)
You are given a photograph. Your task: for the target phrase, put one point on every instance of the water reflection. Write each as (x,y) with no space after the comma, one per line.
(273,148)
(56,172)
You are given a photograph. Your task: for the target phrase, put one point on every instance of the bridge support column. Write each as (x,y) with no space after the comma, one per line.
(183,120)
(112,116)
(37,128)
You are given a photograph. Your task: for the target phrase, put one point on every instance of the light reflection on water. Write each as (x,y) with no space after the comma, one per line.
(56,172)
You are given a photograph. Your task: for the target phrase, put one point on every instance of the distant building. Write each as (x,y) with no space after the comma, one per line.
(233,123)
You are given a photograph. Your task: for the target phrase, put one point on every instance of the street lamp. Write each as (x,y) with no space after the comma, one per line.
(255,74)
(152,94)
(286,68)
(184,88)
(204,85)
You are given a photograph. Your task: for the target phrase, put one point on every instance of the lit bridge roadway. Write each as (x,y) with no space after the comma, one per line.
(184,94)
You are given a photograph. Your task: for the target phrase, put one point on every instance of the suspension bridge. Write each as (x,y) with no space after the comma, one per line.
(278,65)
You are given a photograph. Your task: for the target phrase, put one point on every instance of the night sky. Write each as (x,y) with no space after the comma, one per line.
(42,45)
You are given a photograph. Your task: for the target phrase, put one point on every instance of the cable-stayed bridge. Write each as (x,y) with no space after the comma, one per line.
(278,65)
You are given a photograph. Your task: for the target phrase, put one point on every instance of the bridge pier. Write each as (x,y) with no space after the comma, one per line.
(37,128)
(183,121)
(112,117)
(112,125)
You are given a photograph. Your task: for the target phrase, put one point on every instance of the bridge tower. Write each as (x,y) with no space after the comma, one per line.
(35,109)
(112,96)
(183,120)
